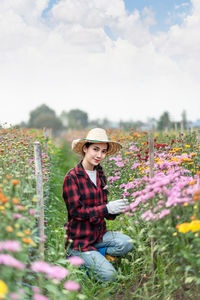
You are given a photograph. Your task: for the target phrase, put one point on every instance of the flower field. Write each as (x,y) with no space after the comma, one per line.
(163,219)
(23,275)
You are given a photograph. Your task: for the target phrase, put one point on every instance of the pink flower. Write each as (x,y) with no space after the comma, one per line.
(40,297)
(10,245)
(58,272)
(163,213)
(71,286)
(16,216)
(36,289)
(14,296)
(76,260)
(7,260)
(120,163)
(41,266)
(32,211)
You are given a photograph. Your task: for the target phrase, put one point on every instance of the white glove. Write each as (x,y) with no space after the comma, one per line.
(117,206)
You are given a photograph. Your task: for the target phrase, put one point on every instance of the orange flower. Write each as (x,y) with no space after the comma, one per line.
(15,181)
(192,182)
(9,229)
(198,173)
(195,197)
(8,176)
(27,231)
(15,201)
(27,240)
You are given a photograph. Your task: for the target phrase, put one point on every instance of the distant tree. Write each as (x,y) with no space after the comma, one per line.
(94,123)
(164,121)
(75,119)
(49,121)
(105,123)
(43,116)
(40,110)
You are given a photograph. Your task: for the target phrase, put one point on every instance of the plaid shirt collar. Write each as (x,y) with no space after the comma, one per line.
(79,170)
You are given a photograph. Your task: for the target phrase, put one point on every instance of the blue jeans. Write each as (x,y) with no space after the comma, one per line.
(117,244)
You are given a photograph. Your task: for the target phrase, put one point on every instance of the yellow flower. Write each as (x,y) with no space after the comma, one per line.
(187,146)
(196,235)
(34,199)
(17,225)
(195,225)
(2,207)
(186,204)
(175,233)
(3,289)
(184,227)
(20,234)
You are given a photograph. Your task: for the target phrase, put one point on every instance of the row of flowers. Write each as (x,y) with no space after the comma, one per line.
(168,203)
(19,212)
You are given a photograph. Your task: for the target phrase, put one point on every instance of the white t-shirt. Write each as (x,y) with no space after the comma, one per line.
(92,175)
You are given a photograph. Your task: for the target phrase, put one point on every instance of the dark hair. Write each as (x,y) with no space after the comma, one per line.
(88,144)
(99,168)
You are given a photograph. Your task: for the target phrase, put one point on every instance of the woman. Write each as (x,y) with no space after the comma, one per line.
(85,195)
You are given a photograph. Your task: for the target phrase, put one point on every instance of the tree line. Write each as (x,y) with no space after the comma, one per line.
(44,116)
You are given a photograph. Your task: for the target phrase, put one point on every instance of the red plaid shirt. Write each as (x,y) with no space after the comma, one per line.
(86,205)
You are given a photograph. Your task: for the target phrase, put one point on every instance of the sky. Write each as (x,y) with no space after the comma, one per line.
(117,59)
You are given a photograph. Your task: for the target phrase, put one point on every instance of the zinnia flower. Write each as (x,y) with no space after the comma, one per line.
(9,245)
(71,285)
(7,260)
(3,289)
(76,260)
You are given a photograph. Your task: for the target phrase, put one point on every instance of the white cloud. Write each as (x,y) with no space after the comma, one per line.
(70,62)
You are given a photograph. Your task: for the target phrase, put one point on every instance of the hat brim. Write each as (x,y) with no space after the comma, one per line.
(77,146)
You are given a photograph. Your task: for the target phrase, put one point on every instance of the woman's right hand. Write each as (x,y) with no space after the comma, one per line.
(117,206)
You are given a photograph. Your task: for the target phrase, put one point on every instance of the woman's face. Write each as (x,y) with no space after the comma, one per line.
(94,154)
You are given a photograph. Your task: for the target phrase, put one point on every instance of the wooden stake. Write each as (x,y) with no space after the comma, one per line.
(39,191)
(182,127)
(175,127)
(46,139)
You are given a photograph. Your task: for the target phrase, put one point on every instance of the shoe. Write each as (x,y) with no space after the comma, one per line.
(110,258)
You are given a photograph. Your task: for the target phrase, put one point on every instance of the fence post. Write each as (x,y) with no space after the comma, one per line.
(182,128)
(151,174)
(39,191)
(46,139)
(175,127)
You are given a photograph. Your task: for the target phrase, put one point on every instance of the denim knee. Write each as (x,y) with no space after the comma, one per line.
(123,247)
(109,275)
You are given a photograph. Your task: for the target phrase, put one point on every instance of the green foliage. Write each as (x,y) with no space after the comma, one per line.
(75,119)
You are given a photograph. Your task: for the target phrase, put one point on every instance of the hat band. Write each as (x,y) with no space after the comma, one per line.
(96,141)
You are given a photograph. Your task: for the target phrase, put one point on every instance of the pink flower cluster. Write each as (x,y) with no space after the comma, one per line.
(10,245)
(163,190)
(8,260)
(55,272)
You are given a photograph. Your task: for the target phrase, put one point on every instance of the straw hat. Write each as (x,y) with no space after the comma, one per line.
(95,135)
